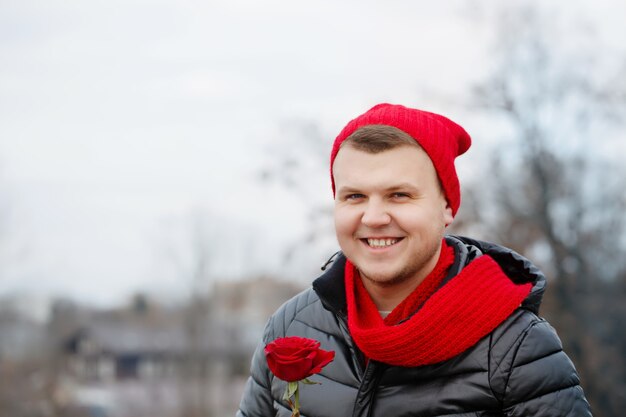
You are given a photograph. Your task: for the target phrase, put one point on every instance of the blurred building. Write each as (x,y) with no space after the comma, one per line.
(193,356)
(143,359)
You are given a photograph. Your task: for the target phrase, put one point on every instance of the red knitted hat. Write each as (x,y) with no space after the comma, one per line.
(441,138)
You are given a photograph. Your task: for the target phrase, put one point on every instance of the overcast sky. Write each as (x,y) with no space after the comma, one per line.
(123,122)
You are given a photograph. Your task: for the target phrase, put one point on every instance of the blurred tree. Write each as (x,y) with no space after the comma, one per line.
(299,162)
(25,356)
(13,248)
(555,194)
(551,189)
(29,366)
(192,252)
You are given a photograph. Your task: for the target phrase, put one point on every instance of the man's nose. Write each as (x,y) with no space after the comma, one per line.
(375,214)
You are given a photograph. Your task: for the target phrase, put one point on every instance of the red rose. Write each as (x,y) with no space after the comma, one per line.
(295,358)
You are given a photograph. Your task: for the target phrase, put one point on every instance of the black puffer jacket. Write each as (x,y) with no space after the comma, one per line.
(519,369)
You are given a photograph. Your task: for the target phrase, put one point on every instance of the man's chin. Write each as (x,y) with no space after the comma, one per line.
(381,278)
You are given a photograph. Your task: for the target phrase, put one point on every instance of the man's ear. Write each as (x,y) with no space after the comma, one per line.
(448,218)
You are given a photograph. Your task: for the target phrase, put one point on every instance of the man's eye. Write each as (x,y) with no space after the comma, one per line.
(354,196)
(400,195)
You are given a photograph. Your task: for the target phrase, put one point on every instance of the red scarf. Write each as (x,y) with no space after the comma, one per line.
(450,320)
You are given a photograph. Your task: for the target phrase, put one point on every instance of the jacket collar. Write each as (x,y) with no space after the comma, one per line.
(331,287)
(518,268)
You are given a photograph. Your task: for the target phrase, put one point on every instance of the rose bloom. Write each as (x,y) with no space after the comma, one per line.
(295,358)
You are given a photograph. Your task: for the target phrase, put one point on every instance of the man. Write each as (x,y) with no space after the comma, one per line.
(422,324)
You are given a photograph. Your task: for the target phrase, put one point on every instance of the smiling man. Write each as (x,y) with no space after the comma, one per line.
(422,324)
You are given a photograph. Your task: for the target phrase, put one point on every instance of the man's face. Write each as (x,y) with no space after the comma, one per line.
(390,213)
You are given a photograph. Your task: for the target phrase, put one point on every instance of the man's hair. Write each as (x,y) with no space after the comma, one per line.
(379,138)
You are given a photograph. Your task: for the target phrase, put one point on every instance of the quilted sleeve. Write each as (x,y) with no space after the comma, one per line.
(541,380)
(257,399)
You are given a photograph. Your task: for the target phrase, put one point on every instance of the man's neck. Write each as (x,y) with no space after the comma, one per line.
(387,297)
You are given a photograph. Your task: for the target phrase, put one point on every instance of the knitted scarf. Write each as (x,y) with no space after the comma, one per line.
(440,324)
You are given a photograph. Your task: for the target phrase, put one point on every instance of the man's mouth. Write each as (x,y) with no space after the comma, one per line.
(381,243)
